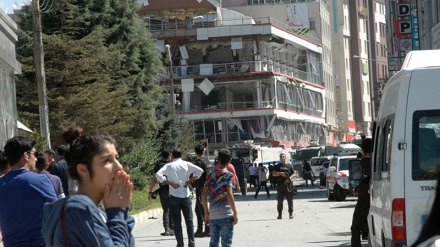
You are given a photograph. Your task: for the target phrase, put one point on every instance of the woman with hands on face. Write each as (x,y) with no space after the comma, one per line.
(98,214)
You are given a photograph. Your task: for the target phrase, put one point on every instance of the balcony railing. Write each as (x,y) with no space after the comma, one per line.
(234,68)
(231,106)
(164,25)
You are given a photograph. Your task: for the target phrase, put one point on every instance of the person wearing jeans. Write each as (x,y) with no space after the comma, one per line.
(219,191)
(222,229)
(179,174)
(179,206)
(164,195)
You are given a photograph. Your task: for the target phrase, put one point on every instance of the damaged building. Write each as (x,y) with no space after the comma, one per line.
(239,78)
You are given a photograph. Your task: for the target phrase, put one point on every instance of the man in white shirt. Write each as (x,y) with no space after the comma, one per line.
(177,174)
(253,176)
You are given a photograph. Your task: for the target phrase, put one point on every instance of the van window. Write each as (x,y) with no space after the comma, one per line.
(382,147)
(426,145)
(387,146)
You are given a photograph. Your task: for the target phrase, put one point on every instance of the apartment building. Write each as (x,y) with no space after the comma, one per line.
(240,77)
(8,67)
(342,56)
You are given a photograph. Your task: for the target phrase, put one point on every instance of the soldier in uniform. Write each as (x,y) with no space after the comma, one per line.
(284,173)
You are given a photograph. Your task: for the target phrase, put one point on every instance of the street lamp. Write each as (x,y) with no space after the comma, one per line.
(173,103)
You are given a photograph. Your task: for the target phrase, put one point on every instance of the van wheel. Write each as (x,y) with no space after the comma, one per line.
(244,190)
(338,193)
(329,194)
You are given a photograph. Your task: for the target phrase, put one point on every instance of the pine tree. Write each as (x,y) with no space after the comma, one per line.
(102,69)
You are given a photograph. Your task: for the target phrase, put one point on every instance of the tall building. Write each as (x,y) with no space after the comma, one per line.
(241,71)
(360,64)
(342,70)
(8,67)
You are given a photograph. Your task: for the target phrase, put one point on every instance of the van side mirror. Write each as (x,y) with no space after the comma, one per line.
(332,169)
(355,170)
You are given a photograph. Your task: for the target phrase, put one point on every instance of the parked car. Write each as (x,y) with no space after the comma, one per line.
(322,174)
(338,186)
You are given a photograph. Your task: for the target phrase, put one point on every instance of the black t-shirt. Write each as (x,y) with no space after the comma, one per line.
(287,168)
(206,166)
(156,168)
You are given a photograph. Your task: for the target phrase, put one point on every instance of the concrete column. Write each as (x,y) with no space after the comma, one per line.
(259,95)
(186,101)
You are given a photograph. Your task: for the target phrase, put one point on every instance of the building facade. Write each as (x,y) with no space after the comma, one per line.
(8,67)
(239,77)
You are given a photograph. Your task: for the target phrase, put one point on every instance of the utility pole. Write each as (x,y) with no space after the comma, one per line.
(40,74)
(173,102)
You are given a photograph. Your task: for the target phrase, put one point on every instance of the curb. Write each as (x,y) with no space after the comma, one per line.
(146,215)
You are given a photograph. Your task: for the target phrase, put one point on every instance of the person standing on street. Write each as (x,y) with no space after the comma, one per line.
(98,214)
(253,176)
(360,224)
(206,166)
(60,169)
(221,214)
(262,177)
(22,195)
(40,167)
(179,174)
(308,173)
(50,155)
(164,195)
(284,173)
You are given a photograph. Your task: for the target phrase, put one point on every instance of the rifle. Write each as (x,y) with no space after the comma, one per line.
(289,184)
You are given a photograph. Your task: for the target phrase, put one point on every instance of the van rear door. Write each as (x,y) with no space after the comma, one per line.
(422,156)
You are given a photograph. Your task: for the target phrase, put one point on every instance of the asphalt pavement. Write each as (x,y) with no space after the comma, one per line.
(316,222)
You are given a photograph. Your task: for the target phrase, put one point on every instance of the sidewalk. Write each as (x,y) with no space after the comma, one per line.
(145,215)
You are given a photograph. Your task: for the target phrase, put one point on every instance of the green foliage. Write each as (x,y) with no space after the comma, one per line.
(41,143)
(176,132)
(101,68)
(139,202)
(141,157)
(139,180)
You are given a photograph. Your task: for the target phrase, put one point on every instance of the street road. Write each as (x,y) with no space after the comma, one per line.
(316,222)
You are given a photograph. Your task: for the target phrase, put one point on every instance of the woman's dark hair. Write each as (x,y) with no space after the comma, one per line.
(432,225)
(83,147)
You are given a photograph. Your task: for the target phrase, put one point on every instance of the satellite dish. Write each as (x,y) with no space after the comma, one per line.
(15,5)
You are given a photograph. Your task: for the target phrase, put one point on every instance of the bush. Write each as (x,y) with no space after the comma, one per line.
(139,180)
(140,202)
(141,156)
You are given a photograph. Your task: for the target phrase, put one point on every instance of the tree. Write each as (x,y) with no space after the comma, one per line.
(102,69)
(176,132)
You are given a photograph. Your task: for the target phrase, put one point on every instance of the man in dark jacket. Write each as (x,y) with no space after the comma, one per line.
(359,224)
(206,166)
(284,173)
(60,169)
(164,195)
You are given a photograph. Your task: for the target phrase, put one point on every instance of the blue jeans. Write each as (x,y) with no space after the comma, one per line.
(177,207)
(221,228)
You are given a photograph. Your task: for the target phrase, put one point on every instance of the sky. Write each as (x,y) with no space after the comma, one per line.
(6,5)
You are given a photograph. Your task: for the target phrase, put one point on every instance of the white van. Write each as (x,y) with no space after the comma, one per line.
(406,152)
